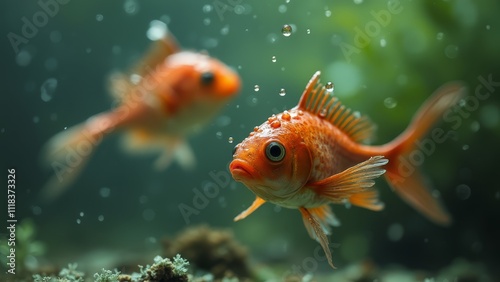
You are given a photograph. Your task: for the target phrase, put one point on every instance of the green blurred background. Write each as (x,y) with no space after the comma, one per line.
(120,205)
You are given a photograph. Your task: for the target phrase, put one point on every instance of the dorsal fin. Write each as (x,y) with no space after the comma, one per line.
(317,100)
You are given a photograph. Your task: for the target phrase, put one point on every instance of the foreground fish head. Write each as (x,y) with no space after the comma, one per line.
(273,162)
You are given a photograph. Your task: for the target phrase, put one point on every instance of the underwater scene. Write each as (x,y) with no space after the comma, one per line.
(243,140)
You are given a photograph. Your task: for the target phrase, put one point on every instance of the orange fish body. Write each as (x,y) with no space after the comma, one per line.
(312,155)
(170,94)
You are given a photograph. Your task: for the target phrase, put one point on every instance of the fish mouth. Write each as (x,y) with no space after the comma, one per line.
(240,170)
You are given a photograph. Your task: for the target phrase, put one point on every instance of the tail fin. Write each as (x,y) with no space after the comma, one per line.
(69,151)
(408,151)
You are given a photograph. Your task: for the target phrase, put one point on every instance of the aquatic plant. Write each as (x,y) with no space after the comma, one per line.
(107,276)
(69,274)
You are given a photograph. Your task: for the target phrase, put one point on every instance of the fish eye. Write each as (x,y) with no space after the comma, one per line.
(275,151)
(207,78)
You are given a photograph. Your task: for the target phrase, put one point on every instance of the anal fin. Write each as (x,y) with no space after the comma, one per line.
(316,232)
(255,205)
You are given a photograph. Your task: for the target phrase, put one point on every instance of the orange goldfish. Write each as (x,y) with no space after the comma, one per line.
(313,155)
(170,94)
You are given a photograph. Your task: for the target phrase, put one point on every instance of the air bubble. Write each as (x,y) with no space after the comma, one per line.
(218,134)
(451,51)
(286,30)
(230,140)
(330,87)
(282,92)
(383,42)
(395,232)
(23,58)
(48,89)
(256,88)
(308,31)
(273,59)
(207,8)
(157,30)
(131,7)
(463,191)
(328,13)
(439,36)
(390,103)
(100,218)
(105,192)
(99,17)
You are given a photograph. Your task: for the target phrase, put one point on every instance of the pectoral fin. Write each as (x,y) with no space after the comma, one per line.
(255,205)
(316,232)
(352,181)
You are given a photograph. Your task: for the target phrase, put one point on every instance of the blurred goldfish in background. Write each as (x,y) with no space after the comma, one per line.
(313,155)
(169,95)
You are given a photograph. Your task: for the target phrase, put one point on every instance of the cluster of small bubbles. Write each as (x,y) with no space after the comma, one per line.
(36,119)
(357,2)
(282,92)
(475,126)
(451,51)
(51,64)
(207,8)
(330,87)
(308,31)
(383,42)
(131,7)
(230,140)
(36,210)
(23,58)
(465,147)
(439,36)
(207,21)
(99,17)
(224,30)
(218,134)
(390,103)
(100,218)
(282,8)
(105,192)
(157,30)
(148,214)
(273,59)
(55,36)
(463,191)
(395,232)
(328,13)
(48,89)
(286,30)
(256,88)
